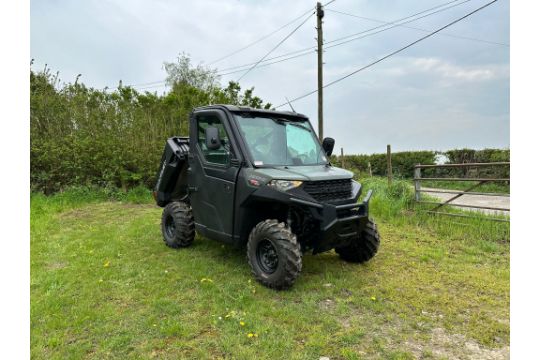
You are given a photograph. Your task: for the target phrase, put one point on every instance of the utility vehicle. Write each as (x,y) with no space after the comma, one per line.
(262,178)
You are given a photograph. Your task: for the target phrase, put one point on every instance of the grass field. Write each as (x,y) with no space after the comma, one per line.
(103,285)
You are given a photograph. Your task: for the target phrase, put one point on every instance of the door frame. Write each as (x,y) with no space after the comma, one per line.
(221,172)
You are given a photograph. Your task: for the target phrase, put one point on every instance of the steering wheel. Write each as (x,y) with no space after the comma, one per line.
(302,157)
(261,141)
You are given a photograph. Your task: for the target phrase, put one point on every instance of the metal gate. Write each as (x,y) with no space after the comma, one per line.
(459,193)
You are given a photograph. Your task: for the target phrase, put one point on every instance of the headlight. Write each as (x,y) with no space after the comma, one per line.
(284,185)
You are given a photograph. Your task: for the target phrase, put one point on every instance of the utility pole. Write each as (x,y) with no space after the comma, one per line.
(320,15)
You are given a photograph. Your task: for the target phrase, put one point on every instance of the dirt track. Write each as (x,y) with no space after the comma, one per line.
(479,200)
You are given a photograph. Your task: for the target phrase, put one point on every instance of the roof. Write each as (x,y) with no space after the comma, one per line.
(247,109)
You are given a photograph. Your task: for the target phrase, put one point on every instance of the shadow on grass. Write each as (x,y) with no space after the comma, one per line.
(316,269)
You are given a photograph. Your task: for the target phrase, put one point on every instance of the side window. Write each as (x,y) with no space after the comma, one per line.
(219,156)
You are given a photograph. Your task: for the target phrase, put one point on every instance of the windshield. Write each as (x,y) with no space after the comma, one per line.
(279,142)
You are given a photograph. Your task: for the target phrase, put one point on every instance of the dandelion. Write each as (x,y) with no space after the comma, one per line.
(107,263)
(252,335)
(373,298)
(242,323)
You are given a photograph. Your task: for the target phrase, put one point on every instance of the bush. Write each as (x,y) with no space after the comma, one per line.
(402,162)
(459,156)
(81,136)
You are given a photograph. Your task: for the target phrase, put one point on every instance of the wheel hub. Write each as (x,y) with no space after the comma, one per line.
(170,226)
(267,256)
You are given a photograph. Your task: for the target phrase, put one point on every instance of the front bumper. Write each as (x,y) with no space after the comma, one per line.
(340,224)
(337,224)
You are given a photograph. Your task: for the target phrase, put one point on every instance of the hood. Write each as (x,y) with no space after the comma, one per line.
(304,173)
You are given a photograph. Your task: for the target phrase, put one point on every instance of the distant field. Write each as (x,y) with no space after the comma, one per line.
(103,285)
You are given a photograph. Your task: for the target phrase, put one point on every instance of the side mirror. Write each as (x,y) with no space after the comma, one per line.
(212,138)
(328,145)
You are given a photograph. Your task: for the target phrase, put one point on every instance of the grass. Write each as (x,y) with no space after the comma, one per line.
(103,285)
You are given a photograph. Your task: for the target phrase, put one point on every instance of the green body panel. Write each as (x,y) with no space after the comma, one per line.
(303,173)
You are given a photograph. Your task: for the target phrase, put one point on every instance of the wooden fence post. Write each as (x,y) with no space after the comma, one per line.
(369,169)
(342,159)
(417,175)
(389,163)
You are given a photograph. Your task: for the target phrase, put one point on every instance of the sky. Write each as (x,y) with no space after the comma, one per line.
(449,91)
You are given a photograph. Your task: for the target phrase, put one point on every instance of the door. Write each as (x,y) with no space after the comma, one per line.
(211,176)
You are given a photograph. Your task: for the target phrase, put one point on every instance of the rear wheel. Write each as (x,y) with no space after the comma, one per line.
(362,248)
(274,254)
(177,225)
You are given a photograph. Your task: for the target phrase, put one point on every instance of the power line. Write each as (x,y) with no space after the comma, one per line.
(277,45)
(268,63)
(391,27)
(247,46)
(392,53)
(240,68)
(267,35)
(148,83)
(269,59)
(151,86)
(308,50)
(405,18)
(260,39)
(419,29)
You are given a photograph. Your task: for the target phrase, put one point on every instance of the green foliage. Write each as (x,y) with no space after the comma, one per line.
(402,162)
(183,72)
(84,136)
(459,156)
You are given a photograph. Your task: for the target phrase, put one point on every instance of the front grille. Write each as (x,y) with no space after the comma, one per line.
(329,190)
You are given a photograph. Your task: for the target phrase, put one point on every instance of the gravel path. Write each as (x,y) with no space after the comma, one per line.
(480,200)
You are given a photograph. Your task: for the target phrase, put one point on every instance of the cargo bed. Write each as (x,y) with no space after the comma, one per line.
(172,175)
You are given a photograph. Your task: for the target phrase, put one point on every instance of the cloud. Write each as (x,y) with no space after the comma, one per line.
(442,93)
(465,73)
(445,70)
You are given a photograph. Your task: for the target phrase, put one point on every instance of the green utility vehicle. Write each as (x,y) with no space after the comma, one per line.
(262,178)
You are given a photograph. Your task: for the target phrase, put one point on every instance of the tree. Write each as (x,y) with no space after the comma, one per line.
(182,72)
(204,83)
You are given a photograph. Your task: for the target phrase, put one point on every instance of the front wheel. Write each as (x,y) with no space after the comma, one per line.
(274,254)
(363,247)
